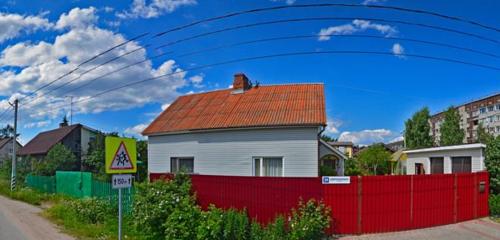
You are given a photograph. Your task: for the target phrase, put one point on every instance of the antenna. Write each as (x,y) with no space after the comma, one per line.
(70,110)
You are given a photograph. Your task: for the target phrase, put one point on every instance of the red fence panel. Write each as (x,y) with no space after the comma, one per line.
(366,205)
(343,199)
(432,200)
(386,203)
(263,197)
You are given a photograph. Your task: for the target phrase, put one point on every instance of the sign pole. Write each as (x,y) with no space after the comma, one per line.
(119,214)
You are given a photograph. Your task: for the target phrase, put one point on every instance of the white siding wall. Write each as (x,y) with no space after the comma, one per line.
(477,159)
(231,152)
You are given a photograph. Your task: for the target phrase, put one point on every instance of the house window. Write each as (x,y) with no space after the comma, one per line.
(490,108)
(498,107)
(437,165)
(482,110)
(268,166)
(419,168)
(461,164)
(185,164)
(498,129)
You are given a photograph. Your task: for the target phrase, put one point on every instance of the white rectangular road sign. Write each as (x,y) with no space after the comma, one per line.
(336,180)
(121,181)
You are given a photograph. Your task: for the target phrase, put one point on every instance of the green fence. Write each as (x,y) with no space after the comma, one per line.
(42,183)
(81,185)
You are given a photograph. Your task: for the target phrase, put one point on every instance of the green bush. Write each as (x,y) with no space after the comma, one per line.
(92,210)
(309,221)
(236,224)
(59,158)
(182,222)
(256,231)
(327,171)
(155,202)
(211,224)
(494,203)
(276,230)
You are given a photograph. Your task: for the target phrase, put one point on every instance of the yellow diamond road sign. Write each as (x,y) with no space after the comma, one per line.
(121,155)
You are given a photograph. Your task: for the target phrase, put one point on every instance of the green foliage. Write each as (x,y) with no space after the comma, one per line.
(7,131)
(180,224)
(374,160)
(327,171)
(142,155)
(451,134)
(256,231)
(276,230)
(309,221)
(417,130)
(59,158)
(155,202)
(23,168)
(211,224)
(236,225)
(24,194)
(482,135)
(92,210)
(492,162)
(327,138)
(352,168)
(494,202)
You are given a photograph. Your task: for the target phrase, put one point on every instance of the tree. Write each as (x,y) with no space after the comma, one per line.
(417,130)
(492,162)
(142,156)
(65,120)
(7,131)
(374,160)
(59,158)
(327,138)
(451,133)
(482,135)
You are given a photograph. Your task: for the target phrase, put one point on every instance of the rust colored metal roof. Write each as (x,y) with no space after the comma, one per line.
(44,141)
(263,106)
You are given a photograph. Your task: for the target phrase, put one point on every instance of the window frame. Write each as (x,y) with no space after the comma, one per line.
(461,170)
(261,163)
(178,164)
(436,158)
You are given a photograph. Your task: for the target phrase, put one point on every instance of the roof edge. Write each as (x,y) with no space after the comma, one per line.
(229,129)
(445,148)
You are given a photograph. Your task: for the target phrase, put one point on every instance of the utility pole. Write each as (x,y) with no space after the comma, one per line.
(14,145)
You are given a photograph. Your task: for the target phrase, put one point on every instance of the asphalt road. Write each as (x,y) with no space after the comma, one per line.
(21,221)
(478,229)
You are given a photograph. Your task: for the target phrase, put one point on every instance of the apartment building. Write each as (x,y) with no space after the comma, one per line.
(485,111)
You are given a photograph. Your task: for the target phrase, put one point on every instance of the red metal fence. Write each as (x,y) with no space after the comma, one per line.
(366,205)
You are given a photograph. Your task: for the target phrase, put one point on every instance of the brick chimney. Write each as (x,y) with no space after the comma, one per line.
(241,82)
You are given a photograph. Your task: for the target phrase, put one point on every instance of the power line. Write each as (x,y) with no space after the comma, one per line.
(325,19)
(254,25)
(87,71)
(277,56)
(84,62)
(319,5)
(259,41)
(432,43)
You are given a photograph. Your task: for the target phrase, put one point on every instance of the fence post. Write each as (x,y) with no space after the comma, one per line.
(360,201)
(411,200)
(475,195)
(455,198)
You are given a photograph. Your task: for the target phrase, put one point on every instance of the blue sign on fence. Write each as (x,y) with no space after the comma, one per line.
(336,180)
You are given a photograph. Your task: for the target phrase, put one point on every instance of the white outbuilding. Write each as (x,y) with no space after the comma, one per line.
(465,158)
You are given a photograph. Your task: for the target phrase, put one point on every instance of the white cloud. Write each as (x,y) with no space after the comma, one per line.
(12,25)
(332,126)
(368,2)
(356,26)
(398,50)
(136,130)
(156,8)
(197,80)
(77,18)
(42,62)
(397,139)
(288,2)
(165,106)
(38,124)
(366,137)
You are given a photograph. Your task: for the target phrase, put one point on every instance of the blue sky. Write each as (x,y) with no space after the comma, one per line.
(368,97)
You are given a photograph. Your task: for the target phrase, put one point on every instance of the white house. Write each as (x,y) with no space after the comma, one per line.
(448,159)
(243,131)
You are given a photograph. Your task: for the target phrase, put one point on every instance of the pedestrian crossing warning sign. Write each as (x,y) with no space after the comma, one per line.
(121,155)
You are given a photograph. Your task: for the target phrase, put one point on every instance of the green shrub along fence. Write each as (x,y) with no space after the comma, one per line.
(81,185)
